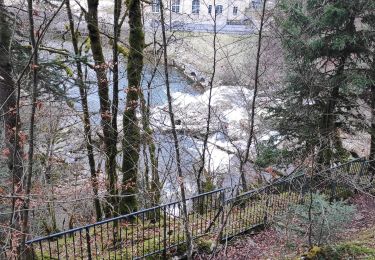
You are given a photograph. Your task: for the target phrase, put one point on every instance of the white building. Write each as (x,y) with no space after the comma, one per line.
(200,14)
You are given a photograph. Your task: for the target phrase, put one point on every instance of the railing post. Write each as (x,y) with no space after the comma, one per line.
(305,188)
(88,243)
(165,234)
(362,167)
(333,190)
(223,198)
(265,218)
(222,201)
(360,173)
(223,214)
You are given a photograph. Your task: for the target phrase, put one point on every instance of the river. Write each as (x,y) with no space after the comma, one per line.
(158,97)
(178,83)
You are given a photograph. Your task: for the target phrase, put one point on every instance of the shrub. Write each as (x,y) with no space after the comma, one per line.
(269,154)
(319,219)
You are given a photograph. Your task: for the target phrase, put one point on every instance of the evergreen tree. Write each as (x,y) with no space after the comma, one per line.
(368,22)
(322,43)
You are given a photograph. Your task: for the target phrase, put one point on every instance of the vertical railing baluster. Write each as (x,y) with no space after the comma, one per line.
(74,246)
(114,233)
(126,238)
(41,249)
(108,242)
(156,217)
(224,212)
(201,215)
(31,246)
(66,247)
(358,179)
(254,215)
(206,203)
(96,245)
(120,238)
(57,247)
(209,217)
(49,248)
(191,216)
(137,245)
(101,241)
(174,225)
(247,213)
(80,242)
(165,234)
(169,225)
(143,234)
(160,219)
(132,238)
(88,243)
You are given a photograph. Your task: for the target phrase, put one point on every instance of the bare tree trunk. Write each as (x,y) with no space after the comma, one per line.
(131,141)
(114,137)
(208,122)
(49,182)
(9,110)
(154,185)
(372,132)
(189,241)
(105,104)
(244,160)
(24,253)
(86,115)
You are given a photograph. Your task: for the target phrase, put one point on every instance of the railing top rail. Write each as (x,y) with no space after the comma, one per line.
(370,161)
(284,179)
(287,178)
(362,159)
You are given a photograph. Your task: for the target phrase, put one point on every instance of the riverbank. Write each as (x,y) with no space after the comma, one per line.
(193,53)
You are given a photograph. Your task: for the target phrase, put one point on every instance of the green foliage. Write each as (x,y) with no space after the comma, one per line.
(348,250)
(87,45)
(270,155)
(204,245)
(352,249)
(334,15)
(208,185)
(314,253)
(327,219)
(123,50)
(324,52)
(65,67)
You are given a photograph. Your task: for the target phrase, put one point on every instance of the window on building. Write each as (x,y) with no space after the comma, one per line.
(156,6)
(235,10)
(176,6)
(256,4)
(210,9)
(218,9)
(195,7)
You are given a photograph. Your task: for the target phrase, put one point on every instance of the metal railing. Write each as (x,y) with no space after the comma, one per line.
(153,231)
(159,231)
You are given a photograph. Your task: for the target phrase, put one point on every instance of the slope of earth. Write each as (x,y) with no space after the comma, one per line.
(357,241)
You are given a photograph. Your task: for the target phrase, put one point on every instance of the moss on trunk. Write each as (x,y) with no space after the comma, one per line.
(131,129)
(105,104)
